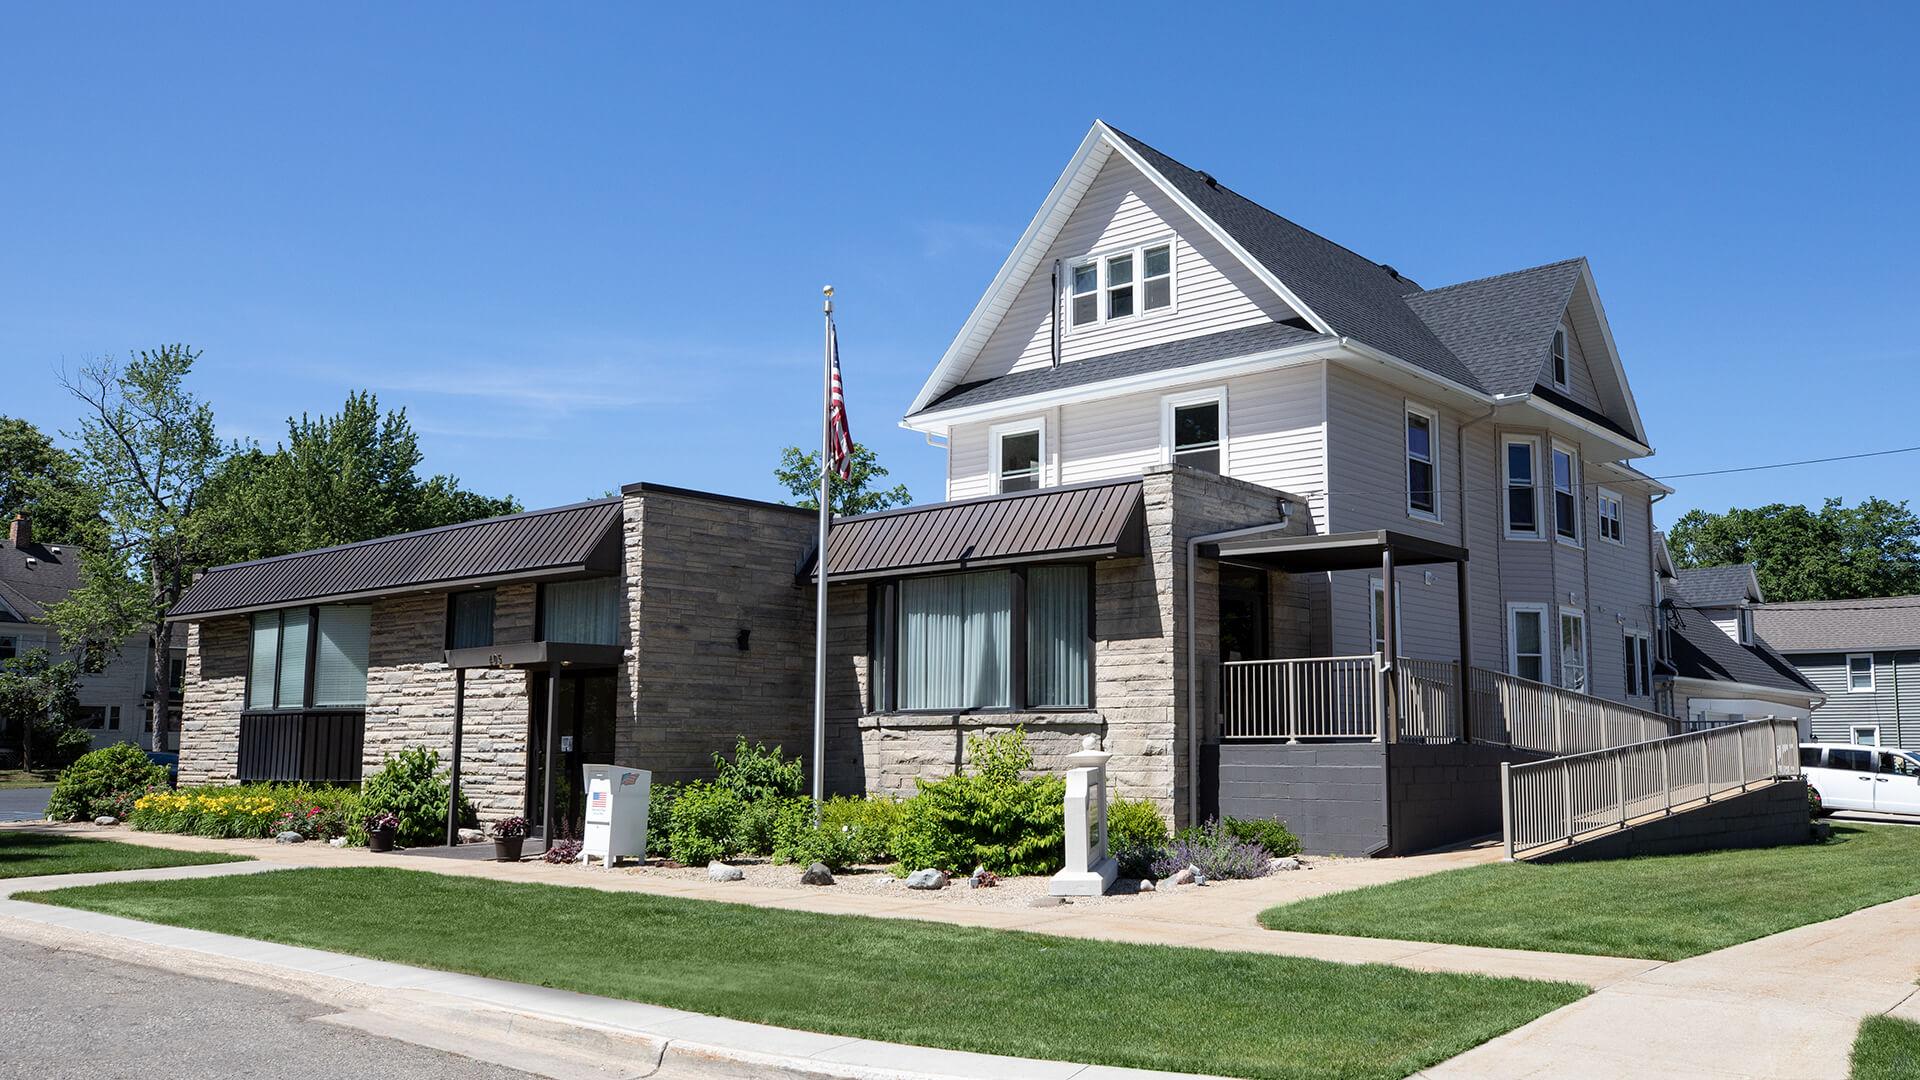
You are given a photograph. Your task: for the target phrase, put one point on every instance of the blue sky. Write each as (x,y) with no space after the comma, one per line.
(584,245)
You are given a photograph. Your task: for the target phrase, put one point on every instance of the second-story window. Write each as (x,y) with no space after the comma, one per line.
(1559,358)
(1523,503)
(1193,431)
(1156,277)
(1121,285)
(1086,294)
(1566,495)
(1610,508)
(1421,474)
(1017,460)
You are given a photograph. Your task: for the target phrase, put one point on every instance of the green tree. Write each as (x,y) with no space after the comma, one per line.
(43,481)
(1838,552)
(40,701)
(148,446)
(335,480)
(799,473)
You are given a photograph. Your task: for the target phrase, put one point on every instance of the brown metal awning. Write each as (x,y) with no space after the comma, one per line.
(535,654)
(1338,551)
(1084,521)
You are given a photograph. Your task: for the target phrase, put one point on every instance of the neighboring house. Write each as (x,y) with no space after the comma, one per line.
(1210,476)
(1862,654)
(1723,670)
(35,576)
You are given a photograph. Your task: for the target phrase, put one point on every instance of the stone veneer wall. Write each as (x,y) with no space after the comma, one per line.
(722,629)
(1139,659)
(214,693)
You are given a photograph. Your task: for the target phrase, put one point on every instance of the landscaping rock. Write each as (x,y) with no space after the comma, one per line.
(1184,877)
(1145,886)
(338,841)
(106,819)
(1284,863)
(289,837)
(1199,875)
(817,874)
(719,871)
(926,879)
(472,836)
(1048,901)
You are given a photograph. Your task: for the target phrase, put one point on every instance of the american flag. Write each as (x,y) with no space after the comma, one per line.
(839,437)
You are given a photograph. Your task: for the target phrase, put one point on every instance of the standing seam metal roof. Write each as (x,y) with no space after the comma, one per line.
(1083,520)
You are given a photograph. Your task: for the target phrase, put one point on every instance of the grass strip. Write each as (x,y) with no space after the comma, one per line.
(32,854)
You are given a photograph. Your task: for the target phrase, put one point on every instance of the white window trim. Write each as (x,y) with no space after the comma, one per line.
(1215,394)
(1853,734)
(1098,258)
(1639,663)
(1586,651)
(1560,357)
(1375,587)
(1532,442)
(1604,497)
(1553,500)
(1872,675)
(1513,640)
(1016,427)
(1432,417)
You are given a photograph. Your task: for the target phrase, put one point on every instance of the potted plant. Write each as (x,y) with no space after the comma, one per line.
(508,836)
(381,829)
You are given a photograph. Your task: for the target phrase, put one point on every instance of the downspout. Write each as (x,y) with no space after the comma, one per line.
(1460,492)
(1193,651)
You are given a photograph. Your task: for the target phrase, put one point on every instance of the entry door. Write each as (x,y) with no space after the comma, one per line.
(1896,786)
(584,719)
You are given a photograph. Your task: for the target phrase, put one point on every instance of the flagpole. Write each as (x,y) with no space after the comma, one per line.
(820,601)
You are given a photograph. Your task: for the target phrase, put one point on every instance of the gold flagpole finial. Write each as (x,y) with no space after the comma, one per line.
(827,291)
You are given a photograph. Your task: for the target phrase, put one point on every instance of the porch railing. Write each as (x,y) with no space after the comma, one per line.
(1511,711)
(1337,698)
(1559,801)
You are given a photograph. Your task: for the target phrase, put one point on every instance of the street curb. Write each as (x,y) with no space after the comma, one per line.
(621,1034)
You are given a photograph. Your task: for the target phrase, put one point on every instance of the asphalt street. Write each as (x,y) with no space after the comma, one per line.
(24,804)
(74,1015)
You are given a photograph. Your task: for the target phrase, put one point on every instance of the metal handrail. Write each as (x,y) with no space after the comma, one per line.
(1511,711)
(1563,800)
(1320,697)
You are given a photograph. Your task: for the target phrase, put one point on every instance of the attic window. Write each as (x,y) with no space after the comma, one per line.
(1560,359)
(1121,285)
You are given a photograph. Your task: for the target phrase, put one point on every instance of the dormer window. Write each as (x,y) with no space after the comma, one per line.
(1560,359)
(1121,285)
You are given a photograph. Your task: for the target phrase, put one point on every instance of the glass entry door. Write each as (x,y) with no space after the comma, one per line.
(583,715)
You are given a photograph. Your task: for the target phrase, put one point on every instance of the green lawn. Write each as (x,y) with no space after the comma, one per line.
(1662,908)
(29,854)
(990,991)
(1886,1049)
(19,778)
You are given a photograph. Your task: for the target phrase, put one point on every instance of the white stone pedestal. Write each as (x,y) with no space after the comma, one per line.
(1090,871)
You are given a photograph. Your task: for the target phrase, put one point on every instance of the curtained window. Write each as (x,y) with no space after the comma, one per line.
(583,612)
(470,619)
(996,639)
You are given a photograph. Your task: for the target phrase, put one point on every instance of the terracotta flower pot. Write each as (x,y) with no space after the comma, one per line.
(380,839)
(507,848)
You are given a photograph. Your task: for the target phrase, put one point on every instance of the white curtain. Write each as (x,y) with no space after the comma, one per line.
(955,635)
(340,657)
(583,612)
(1057,636)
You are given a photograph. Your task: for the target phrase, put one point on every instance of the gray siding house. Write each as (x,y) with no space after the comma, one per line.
(1864,656)
(1722,670)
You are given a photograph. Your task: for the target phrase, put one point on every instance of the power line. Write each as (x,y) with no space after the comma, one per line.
(1787,464)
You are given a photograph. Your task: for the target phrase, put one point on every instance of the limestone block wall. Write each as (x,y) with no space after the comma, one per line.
(721,629)
(214,693)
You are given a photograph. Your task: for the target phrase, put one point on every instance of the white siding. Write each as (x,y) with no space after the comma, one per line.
(1580,382)
(1213,291)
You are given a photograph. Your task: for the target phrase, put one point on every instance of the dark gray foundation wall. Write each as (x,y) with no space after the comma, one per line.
(1444,794)
(1771,816)
(1332,795)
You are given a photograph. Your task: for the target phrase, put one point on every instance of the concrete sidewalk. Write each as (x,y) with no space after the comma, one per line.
(1785,1007)
(1220,916)
(503,1020)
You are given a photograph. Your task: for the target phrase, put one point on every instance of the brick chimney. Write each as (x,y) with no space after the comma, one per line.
(21,531)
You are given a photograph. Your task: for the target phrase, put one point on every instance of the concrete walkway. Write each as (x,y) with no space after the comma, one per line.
(1785,1006)
(467,1013)
(1223,915)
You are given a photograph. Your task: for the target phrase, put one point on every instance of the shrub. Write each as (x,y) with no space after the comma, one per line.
(753,830)
(869,824)
(757,773)
(1274,836)
(411,787)
(705,824)
(101,781)
(990,817)
(1135,823)
(660,798)
(1215,852)
(801,841)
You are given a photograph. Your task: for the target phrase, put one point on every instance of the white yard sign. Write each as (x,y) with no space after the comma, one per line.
(1090,871)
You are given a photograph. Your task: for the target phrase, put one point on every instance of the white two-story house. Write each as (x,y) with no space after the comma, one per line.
(1202,464)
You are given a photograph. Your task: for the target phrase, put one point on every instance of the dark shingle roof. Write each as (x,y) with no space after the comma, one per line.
(1882,622)
(28,588)
(1702,650)
(1172,354)
(1501,326)
(566,539)
(1357,296)
(1712,586)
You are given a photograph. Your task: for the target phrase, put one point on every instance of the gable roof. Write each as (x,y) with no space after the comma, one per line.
(1502,325)
(1882,622)
(29,588)
(1702,650)
(558,542)
(1717,586)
